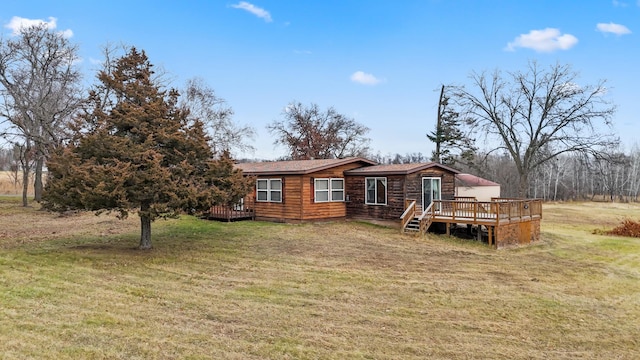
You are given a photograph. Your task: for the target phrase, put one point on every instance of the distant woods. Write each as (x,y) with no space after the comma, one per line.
(613,176)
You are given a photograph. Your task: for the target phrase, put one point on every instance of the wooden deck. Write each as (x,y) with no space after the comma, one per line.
(223,213)
(494,215)
(499,211)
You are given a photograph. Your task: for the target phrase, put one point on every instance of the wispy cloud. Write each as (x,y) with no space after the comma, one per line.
(613,29)
(257,11)
(546,40)
(362,77)
(17,23)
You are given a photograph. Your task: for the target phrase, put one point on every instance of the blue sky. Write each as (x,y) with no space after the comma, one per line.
(379,62)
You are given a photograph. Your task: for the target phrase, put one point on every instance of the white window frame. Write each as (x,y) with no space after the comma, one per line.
(329,191)
(269,190)
(375,195)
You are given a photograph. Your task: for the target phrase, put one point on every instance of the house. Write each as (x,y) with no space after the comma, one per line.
(415,196)
(471,186)
(327,189)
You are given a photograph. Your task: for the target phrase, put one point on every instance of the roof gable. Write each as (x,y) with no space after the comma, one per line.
(300,167)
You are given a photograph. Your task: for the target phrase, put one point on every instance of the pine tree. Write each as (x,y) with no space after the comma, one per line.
(134,148)
(452,144)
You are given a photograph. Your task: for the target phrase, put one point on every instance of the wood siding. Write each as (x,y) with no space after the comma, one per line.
(517,233)
(399,188)
(414,184)
(298,202)
(357,207)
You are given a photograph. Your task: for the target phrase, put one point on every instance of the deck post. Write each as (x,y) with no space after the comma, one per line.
(479,233)
(448,228)
(490,235)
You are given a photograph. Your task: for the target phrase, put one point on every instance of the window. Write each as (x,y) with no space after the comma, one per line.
(337,189)
(269,190)
(376,191)
(329,190)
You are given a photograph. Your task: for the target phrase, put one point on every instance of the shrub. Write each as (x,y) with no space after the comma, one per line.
(628,227)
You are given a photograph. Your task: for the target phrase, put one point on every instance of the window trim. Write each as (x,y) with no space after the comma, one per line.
(375,196)
(269,190)
(329,190)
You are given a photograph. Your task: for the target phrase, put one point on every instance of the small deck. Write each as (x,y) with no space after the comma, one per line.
(496,216)
(224,213)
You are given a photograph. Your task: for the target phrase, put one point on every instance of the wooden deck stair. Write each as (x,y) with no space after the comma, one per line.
(413,226)
(416,221)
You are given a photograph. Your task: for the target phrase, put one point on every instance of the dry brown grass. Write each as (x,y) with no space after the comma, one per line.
(9,185)
(252,290)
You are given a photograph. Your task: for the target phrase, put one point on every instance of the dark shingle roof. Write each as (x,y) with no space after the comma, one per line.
(291,167)
(398,169)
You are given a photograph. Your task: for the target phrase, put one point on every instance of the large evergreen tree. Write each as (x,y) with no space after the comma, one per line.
(133,149)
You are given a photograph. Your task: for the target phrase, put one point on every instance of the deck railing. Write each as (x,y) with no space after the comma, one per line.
(470,210)
(426,218)
(409,213)
(486,211)
(229,214)
(465,198)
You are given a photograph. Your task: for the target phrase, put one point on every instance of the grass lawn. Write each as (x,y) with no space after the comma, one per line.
(73,287)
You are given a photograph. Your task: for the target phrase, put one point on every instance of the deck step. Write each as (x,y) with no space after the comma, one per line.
(413,226)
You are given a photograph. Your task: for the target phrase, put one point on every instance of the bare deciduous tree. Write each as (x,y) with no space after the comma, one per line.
(539,114)
(40,90)
(203,104)
(310,133)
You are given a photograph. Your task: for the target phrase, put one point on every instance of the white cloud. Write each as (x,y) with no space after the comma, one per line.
(362,77)
(259,12)
(547,40)
(613,28)
(18,23)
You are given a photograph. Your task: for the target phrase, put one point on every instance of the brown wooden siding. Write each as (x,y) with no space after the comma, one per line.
(414,184)
(399,188)
(298,198)
(287,209)
(357,208)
